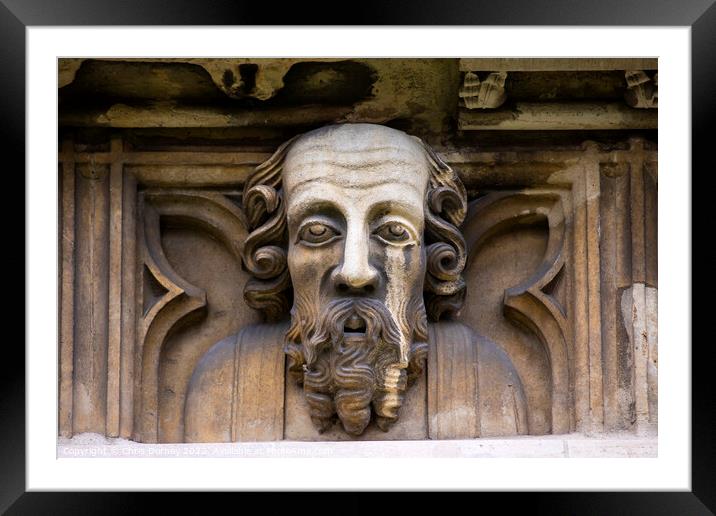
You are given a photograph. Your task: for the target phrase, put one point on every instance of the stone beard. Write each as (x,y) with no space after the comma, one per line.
(356,354)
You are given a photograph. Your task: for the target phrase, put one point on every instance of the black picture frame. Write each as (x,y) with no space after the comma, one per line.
(700,15)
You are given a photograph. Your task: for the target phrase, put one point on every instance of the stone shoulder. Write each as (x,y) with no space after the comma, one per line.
(502,405)
(208,411)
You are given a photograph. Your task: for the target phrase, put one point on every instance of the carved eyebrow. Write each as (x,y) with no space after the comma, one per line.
(306,204)
(404,209)
(314,206)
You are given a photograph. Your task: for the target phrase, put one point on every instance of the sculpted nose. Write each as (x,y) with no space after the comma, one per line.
(355,280)
(355,274)
(355,283)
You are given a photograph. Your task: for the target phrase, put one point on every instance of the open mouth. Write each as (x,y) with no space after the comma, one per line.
(354,325)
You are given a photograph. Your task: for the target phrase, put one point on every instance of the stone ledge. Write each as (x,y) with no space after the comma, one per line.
(558,446)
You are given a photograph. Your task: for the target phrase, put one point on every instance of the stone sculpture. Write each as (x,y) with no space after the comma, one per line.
(354,231)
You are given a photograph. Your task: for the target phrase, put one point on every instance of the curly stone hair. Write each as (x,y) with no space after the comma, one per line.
(265,250)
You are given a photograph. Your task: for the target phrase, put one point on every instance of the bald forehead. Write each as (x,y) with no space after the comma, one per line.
(359,156)
(355,138)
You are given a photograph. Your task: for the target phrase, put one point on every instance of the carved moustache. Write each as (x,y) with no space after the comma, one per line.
(353,317)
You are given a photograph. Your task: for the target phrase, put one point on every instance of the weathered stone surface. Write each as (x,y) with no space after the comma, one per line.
(569,116)
(532,64)
(236,393)
(173,92)
(91,302)
(171,237)
(572,445)
(642,91)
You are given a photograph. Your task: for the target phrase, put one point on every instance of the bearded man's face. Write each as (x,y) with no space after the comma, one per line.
(355,198)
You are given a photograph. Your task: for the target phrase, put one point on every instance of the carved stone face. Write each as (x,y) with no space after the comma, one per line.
(355,198)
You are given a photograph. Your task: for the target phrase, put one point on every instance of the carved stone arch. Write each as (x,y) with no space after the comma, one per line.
(168,302)
(210,211)
(529,303)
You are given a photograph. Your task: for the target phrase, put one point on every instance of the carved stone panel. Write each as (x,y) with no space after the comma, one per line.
(354,281)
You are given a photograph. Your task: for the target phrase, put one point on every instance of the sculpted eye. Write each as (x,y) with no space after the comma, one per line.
(393,232)
(316,233)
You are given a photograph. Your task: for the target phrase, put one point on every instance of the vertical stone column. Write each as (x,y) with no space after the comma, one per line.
(615,243)
(114,314)
(91,302)
(66,288)
(629,292)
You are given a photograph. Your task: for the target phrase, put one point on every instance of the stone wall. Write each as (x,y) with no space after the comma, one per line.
(559,159)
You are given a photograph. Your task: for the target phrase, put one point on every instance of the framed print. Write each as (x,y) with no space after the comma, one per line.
(430,247)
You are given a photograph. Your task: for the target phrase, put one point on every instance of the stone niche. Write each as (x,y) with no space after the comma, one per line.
(558,158)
